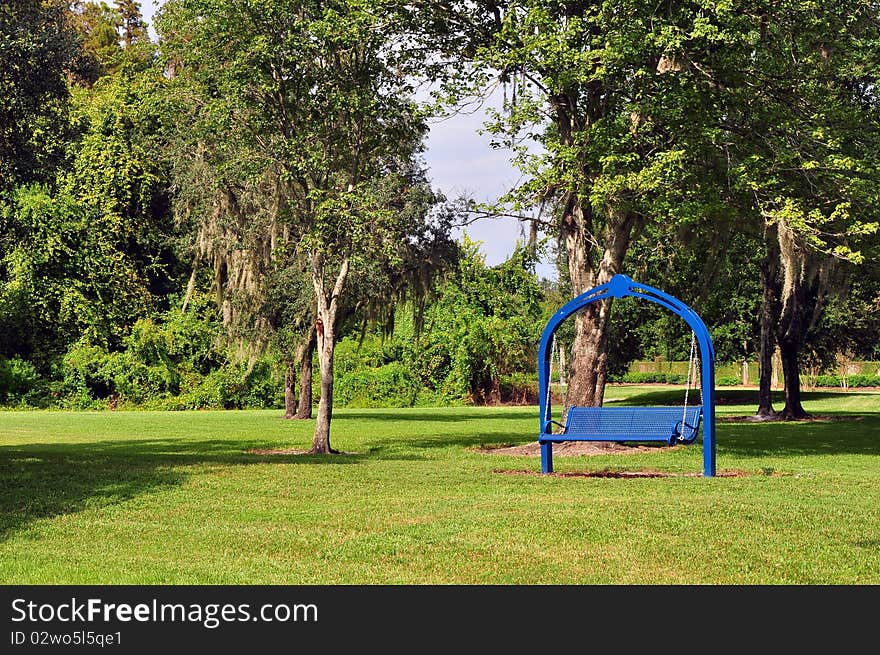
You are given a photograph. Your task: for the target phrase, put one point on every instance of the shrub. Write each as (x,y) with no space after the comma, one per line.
(233,386)
(862,380)
(519,388)
(86,376)
(653,378)
(391,385)
(727,381)
(19,382)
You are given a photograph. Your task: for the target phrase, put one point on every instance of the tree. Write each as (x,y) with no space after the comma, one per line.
(617,98)
(97,24)
(131,22)
(85,257)
(805,130)
(37,50)
(315,95)
(681,112)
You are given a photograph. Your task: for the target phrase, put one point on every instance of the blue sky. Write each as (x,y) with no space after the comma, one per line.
(460,160)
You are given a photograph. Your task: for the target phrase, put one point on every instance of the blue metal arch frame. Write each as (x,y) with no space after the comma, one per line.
(621,286)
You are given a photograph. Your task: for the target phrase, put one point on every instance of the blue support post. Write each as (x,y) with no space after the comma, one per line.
(708,376)
(547,457)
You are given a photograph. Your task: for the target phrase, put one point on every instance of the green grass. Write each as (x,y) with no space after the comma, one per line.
(156,498)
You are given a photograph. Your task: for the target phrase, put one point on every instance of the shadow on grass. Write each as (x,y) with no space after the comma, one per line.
(45,480)
(861,436)
(723,396)
(448,415)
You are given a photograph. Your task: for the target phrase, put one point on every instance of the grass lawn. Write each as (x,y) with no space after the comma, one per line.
(156,498)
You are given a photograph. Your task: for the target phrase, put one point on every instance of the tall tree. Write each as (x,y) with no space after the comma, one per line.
(621,114)
(37,51)
(97,24)
(805,129)
(131,22)
(317,94)
(683,112)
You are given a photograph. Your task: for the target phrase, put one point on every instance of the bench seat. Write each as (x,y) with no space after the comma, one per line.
(628,424)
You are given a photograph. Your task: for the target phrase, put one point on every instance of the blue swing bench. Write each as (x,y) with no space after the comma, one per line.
(672,425)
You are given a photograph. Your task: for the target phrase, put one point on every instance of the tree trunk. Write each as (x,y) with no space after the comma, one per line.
(289,389)
(325,333)
(589,360)
(793,409)
(326,346)
(494,397)
(304,411)
(191,285)
(532,243)
(803,292)
(768,343)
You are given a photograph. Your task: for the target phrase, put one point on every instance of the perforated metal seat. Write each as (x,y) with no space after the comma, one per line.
(629,424)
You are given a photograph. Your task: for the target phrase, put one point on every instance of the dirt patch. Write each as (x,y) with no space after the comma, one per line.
(574,448)
(287,451)
(624,474)
(276,451)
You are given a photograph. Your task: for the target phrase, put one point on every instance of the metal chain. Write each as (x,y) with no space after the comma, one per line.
(550,377)
(687,387)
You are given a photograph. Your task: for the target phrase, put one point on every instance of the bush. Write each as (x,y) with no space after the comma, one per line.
(856,380)
(19,382)
(727,381)
(391,385)
(651,378)
(519,388)
(232,386)
(862,380)
(90,373)
(86,376)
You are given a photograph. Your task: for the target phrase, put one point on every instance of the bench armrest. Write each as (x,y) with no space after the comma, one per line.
(548,426)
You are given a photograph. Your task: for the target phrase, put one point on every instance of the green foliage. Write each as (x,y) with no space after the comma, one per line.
(20,383)
(651,378)
(390,385)
(85,258)
(856,380)
(234,386)
(484,325)
(177,362)
(37,49)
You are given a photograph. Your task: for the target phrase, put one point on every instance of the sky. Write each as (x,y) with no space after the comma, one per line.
(461,161)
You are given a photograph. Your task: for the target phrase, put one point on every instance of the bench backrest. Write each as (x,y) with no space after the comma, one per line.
(647,421)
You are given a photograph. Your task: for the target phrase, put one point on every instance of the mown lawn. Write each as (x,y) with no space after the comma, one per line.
(160,498)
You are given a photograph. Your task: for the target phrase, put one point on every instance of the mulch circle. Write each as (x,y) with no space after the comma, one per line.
(289,451)
(574,448)
(276,451)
